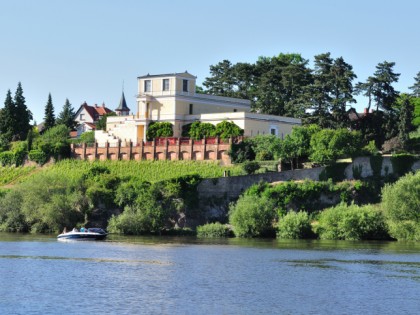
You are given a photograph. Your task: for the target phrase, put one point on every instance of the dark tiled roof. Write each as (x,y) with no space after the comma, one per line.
(166,75)
(123,105)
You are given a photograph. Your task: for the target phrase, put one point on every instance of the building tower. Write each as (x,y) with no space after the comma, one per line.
(122,109)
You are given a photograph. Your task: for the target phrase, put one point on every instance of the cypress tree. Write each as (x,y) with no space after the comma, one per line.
(66,117)
(7,119)
(49,117)
(23,116)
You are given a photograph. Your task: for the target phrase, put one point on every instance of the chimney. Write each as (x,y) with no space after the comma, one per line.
(365,111)
(103,104)
(96,105)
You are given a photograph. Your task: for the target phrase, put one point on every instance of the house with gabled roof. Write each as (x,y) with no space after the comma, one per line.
(172,98)
(87,116)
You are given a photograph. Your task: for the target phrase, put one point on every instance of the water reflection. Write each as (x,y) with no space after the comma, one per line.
(187,275)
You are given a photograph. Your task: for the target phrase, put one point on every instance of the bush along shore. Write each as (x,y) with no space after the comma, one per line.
(115,195)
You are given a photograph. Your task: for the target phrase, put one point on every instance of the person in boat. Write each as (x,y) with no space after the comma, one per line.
(65,230)
(75,230)
(82,229)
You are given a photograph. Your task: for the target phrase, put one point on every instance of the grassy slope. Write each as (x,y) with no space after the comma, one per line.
(151,171)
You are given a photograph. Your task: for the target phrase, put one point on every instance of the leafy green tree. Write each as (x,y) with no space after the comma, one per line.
(88,137)
(416,86)
(199,130)
(159,129)
(400,202)
(22,114)
(416,112)
(49,117)
(294,225)
(66,117)
(226,129)
(353,223)
(101,124)
(405,117)
(54,142)
(252,216)
(266,147)
(329,145)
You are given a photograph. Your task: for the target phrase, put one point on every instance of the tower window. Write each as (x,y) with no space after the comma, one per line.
(191,109)
(165,85)
(185,85)
(147,85)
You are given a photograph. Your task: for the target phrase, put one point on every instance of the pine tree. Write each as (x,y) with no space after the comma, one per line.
(66,117)
(49,117)
(416,86)
(7,119)
(22,114)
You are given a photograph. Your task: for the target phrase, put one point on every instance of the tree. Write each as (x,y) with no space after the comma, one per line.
(66,117)
(416,86)
(221,81)
(49,117)
(405,116)
(200,130)
(252,216)
(101,124)
(7,119)
(23,115)
(226,129)
(331,91)
(400,202)
(159,129)
(384,93)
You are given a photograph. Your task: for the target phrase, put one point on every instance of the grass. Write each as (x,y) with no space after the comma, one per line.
(151,171)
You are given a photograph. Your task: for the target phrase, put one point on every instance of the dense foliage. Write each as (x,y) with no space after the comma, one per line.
(401,204)
(294,225)
(351,222)
(159,129)
(213,230)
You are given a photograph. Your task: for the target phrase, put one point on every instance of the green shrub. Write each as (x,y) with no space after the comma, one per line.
(241,152)
(38,156)
(213,230)
(251,167)
(294,225)
(199,130)
(226,129)
(158,130)
(352,222)
(252,216)
(87,137)
(7,158)
(401,205)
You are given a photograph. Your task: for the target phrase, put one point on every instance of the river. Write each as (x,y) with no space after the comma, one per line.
(159,275)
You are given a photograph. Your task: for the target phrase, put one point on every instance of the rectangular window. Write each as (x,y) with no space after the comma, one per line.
(191,109)
(185,85)
(147,85)
(165,85)
(273,131)
(234,110)
(82,117)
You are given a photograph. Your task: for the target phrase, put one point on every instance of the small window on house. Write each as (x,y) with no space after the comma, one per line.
(185,85)
(82,117)
(234,110)
(273,131)
(191,109)
(147,85)
(165,85)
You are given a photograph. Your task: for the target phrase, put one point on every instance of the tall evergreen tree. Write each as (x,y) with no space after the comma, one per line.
(384,93)
(7,119)
(405,117)
(66,117)
(416,86)
(23,115)
(49,117)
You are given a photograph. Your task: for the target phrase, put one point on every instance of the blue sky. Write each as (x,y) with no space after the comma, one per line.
(83,50)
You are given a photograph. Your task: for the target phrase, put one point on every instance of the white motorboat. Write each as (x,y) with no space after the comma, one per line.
(87,234)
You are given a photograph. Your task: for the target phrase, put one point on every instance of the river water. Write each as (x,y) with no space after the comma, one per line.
(146,275)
